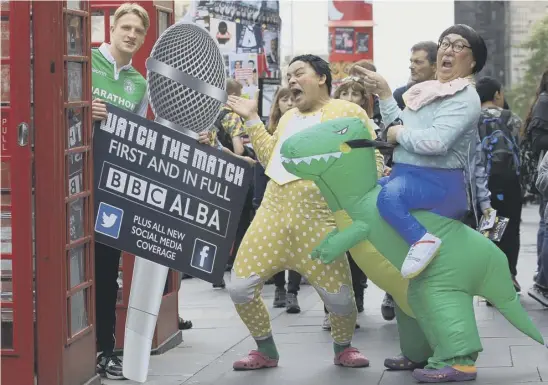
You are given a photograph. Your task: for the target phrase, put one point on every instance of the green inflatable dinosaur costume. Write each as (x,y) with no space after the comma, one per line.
(440,329)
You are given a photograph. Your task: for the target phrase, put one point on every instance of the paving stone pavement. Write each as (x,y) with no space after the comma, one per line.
(219,338)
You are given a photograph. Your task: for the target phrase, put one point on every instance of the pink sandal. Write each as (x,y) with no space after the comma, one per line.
(255,360)
(352,358)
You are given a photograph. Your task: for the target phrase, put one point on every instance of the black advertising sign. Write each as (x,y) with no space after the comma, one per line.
(162,196)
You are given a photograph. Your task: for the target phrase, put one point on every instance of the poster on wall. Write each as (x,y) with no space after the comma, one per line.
(250,38)
(224,33)
(271,44)
(268,88)
(344,40)
(243,68)
(362,42)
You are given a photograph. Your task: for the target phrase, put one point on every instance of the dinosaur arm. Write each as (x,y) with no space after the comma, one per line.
(338,242)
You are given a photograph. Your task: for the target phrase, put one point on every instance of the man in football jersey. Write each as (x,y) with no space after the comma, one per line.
(115,81)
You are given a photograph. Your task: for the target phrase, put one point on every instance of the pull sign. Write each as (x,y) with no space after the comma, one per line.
(23,134)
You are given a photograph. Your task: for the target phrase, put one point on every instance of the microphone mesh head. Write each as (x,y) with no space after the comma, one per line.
(188,48)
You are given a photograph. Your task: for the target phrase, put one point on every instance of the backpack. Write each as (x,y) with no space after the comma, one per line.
(528,166)
(497,141)
(225,138)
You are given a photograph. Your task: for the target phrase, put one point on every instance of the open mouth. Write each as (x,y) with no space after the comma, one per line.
(296,93)
(309,159)
(446,63)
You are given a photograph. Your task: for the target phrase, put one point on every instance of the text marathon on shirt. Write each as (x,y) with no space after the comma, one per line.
(164,197)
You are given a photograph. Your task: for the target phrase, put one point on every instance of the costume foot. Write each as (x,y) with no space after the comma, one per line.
(387,308)
(351,358)
(402,363)
(280,297)
(255,360)
(420,255)
(446,374)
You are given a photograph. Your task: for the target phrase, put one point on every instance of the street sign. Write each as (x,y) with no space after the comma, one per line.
(162,196)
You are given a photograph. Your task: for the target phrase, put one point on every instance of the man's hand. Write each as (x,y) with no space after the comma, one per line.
(203,138)
(387,171)
(249,160)
(373,82)
(487,212)
(392,134)
(98,110)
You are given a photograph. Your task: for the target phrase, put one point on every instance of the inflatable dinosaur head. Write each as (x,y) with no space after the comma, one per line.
(337,146)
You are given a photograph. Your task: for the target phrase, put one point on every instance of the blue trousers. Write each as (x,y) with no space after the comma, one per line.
(441,191)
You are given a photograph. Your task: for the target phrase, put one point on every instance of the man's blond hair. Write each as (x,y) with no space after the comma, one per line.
(136,9)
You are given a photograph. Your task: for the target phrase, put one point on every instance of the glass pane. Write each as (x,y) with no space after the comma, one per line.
(5,43)
(73,4)
(97,26)
(76,219)
(74,81)
(76,173)
(5,177)
(5,198)
(163,22)
(74,124)
(5,232)
(78,312)
(120,280)
(77,266)
(75,34)
(7,329)
(7,284)
(5,80)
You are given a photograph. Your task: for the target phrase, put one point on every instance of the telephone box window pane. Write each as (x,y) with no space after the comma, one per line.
(7,283)
(77,266)
(7,328)
(76,219)
(97,26)
(5,232)
(78,312)
(74,124)
(74,81)
(75,34)
(76,173)
(73,4)
(163,21)
(5,43)
(5,93)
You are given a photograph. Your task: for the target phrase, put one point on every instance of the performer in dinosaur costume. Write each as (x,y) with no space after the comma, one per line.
(441,329)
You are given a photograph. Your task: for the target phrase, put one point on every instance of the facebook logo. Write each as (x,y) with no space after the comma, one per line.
(203,255)
(109,220)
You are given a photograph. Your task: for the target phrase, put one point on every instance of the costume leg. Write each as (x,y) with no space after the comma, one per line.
(333,282)
(448,322)
(257,260)
(415,349)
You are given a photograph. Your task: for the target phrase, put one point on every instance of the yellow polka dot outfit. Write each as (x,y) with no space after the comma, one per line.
(293,219)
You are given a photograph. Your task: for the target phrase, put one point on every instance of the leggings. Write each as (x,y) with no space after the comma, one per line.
(287,226)
(442,191)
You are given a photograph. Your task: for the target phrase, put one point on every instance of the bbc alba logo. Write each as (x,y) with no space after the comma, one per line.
(203,255)
(109,220)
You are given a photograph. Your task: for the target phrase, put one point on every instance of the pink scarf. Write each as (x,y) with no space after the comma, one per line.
(426,92)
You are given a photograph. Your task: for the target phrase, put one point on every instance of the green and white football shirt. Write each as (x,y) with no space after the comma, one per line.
(125,88)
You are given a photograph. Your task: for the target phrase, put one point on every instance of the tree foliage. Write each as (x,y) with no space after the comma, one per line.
(521,96)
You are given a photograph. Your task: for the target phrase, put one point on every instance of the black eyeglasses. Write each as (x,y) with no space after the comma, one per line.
(457,46)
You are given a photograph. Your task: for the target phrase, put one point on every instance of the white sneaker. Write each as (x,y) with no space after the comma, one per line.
(420,255)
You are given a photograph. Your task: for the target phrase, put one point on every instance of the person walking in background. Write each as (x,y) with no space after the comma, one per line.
(499,135)
(283,101)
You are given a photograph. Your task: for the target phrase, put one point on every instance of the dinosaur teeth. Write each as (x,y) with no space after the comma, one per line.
(308,159)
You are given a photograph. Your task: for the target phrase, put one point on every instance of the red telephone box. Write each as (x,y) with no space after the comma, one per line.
(167,333)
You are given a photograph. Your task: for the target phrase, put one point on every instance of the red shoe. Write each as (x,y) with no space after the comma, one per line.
(351,358)
(255,360)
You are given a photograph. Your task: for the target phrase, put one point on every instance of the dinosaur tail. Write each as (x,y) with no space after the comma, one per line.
(499,290)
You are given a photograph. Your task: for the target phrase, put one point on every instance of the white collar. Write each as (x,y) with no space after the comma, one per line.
(105,51)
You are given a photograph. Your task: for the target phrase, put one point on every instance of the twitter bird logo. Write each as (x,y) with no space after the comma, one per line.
(109,220)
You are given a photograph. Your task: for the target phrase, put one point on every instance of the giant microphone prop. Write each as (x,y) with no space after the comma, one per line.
(186,85)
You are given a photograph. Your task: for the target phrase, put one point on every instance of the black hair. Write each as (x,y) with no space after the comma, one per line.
(479,49)
(487,87)
(222,26)
(320,66)
(430,48)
